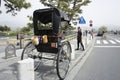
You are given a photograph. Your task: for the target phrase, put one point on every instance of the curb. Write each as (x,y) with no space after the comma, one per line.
(78,63)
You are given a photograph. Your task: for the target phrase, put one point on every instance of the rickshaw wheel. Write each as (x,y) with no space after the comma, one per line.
(31,52)
(63,60)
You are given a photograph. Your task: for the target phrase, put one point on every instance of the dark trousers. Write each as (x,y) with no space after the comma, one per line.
(80,43)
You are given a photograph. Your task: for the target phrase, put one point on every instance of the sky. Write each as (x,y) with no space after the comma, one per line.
(20,20)
(101,12)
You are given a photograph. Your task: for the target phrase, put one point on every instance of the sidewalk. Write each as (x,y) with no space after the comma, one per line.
(78,55)
(2,56)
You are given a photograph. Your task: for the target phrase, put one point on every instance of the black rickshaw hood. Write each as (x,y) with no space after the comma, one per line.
(41,12)
(49,15)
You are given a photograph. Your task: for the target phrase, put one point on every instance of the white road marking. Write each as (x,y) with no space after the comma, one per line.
(108,46)
(98,42)
(105,42)
(117,40)
(112,42)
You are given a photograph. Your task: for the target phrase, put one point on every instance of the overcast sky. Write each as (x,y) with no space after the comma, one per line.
(20,20)
(102,12)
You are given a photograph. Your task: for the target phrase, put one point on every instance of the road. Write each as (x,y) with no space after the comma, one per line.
(103,62)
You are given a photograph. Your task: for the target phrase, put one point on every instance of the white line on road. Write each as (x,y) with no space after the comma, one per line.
(98,42)
(112,42)
(108,46)
(105,42)
(117,40)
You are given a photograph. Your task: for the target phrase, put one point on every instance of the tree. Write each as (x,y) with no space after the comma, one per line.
(15,5)
(25,29)
(71,7)
(30,24)
(103,28)
(1,28)
(5,28)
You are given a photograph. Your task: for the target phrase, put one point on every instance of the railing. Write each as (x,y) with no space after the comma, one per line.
(16,42)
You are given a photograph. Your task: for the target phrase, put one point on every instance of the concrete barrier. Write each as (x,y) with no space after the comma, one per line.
(26,69)
(73,52)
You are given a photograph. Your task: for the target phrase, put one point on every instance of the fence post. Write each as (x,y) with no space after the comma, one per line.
(26,69)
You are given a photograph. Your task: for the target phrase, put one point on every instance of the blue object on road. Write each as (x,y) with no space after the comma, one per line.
(82,20)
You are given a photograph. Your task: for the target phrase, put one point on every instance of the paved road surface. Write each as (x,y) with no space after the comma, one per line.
(103,62)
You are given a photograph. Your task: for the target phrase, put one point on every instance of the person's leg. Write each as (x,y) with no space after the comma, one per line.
(82,45)
(78,44)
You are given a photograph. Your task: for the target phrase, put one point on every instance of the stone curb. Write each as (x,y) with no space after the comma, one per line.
(77,64)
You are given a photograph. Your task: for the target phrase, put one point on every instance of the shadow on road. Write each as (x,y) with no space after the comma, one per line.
(9,72)
(46,71)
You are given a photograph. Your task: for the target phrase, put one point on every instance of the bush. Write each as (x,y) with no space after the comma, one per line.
(12,33)
(103,28)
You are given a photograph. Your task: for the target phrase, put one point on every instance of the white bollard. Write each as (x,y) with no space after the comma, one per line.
(73,52)
(85,42)
(26,69)
(88,40)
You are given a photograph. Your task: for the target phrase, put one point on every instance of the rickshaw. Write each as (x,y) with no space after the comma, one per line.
(49,37)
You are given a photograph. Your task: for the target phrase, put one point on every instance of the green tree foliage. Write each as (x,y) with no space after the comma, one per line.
(30,24)
(25,29)
(71,7)
(15,5)
(5,28)
(103,28)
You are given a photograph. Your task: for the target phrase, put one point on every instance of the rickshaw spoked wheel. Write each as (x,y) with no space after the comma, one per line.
(31,52)
(63,60)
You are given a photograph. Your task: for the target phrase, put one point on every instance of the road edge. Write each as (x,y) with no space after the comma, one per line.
(80,61)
